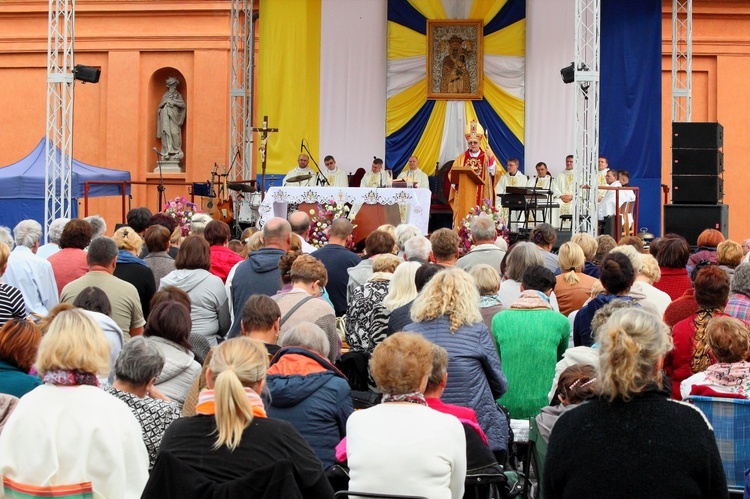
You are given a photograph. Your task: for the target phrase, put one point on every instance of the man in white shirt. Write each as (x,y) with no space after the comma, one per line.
(335,176)
(31,274)
(514,178)
(607,210)
(376,177)
(414,174)
(301,169)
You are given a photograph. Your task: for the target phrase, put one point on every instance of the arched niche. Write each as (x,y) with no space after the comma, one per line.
(156,88)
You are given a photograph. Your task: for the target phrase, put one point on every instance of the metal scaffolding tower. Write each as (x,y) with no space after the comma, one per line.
(240,90)
(586,65)
(58,167)
(682,60)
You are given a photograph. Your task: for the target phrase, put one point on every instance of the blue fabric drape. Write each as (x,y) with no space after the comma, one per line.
(630,101)
(512,12)
(503,142)
(402,12)
(400,144)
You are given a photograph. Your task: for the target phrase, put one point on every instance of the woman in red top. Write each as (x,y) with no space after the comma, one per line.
(217,234)
(691,353)
(673,256)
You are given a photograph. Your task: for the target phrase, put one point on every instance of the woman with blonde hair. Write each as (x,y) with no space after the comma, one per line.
(231,436)
(446,313)
(401,446)
(573,287)
(632,347)
(403,288)
(644,284)
(61,433)
(728,255)
(130,268)
(589,246)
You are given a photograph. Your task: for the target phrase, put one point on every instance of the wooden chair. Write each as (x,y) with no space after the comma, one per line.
(626,219)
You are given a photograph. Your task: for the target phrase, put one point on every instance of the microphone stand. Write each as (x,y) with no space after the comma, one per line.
(320,179)
(161,187)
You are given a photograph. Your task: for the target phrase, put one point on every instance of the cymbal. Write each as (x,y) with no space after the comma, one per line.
(236,186)
(299,178)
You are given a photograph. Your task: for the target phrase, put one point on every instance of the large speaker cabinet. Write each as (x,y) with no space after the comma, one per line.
(689,220)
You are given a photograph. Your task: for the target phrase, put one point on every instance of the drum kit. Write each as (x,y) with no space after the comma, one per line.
(246,202)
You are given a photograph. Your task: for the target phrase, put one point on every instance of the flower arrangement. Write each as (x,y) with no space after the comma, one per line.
(182,211)
(464,232)
(322,218)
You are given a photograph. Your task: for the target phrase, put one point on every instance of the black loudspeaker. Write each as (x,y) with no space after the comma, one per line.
(690,220)
(563,236)
(697,135)
(697,189)
(697,162)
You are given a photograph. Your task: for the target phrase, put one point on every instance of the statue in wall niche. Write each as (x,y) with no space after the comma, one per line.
(169,120)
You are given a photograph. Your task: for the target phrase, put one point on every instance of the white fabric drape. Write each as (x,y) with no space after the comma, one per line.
(506,72)
(453,131)
(457,9)
(352,82)
(549,102)
(403,73)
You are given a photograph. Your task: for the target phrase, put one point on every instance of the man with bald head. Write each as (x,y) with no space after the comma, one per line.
(337,259)
(300,222)
(301,169)
(412,174)
(259,272)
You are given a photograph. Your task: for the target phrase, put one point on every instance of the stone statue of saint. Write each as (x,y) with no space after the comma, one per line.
(169,120)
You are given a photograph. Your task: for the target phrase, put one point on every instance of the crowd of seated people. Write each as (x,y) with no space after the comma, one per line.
(236,363)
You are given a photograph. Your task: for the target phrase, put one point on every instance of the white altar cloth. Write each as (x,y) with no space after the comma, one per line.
(414,204)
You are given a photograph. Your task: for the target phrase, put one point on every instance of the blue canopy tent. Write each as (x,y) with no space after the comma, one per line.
(22,186)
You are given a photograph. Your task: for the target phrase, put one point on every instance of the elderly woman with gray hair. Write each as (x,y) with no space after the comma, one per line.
(308,391)
(738,305)
(136,369)
(519,257)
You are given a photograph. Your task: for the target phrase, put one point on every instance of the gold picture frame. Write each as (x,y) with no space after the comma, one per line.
(454,59)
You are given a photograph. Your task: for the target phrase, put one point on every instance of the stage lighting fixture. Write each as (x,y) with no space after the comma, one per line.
(86,74)
(568,74)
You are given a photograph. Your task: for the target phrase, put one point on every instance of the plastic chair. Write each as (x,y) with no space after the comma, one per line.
(350,493)
(730,419)
(535,457)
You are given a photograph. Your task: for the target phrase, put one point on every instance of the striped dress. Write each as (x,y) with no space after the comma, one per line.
(11,303)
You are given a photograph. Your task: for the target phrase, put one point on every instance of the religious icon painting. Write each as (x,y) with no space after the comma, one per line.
(454,59)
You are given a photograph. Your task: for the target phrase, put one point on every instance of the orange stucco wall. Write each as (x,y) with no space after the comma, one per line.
(137,45)
(721,70)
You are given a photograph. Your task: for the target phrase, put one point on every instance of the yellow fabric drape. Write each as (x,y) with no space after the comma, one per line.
(509,108)
(431,9)
(404,105)
(404,42)
(486,9)
(510,40)
(289,78)
(428,148)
